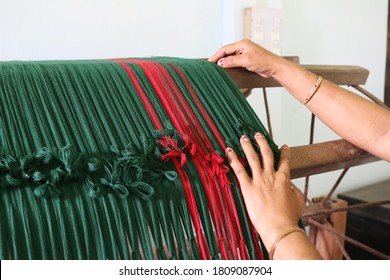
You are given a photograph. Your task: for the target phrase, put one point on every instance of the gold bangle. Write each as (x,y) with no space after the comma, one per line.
(281,236)
(312,91)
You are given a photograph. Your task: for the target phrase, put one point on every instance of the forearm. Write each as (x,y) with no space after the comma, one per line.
(295,246)
(354,118)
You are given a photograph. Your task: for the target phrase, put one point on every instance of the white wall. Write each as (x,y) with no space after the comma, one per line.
(318,31)
(76,29)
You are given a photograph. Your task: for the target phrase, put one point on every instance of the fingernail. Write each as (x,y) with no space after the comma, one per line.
(244,138)
(228,150)
(259,135)
(221,62)
(284,146)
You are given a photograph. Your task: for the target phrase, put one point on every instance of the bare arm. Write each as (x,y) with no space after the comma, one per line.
(354,118)
(273,205)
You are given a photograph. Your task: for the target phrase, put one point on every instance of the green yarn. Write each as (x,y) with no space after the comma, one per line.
(87,171)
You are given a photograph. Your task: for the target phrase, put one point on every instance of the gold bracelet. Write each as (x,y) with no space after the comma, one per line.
(312,91)
(281,236)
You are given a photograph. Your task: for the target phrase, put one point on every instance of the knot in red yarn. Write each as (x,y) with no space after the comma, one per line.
(172,149)
(214,164)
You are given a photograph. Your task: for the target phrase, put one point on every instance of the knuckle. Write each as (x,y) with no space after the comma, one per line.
(236,165)
(266,151)
(245,41)
(239,170)
(253,157)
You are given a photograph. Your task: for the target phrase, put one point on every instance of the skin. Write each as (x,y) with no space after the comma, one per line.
(272,204)
(363,122)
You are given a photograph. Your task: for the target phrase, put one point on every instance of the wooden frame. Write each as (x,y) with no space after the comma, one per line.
(326,156)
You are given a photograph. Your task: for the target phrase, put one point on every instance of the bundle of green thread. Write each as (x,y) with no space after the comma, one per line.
(108,160)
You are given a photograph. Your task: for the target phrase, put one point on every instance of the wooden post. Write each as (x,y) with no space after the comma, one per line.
(326,243)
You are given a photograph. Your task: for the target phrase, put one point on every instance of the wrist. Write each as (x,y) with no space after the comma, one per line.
(279,238)
(284,68)
(268,234)
(288,72)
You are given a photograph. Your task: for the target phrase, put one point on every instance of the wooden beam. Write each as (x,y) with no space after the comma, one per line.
(325,157)
(338,74)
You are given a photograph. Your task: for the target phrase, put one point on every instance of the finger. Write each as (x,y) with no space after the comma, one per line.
(217,56)
(267,156)
(232,61)
(225,51)
(237,167)
(251,156)
(284,160)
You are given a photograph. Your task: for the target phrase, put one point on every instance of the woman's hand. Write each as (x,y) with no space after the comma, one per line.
(272,203)
(249,55)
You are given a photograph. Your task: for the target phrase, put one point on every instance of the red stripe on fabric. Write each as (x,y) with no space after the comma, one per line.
(180,111)
(228,196)
(226,220)
(201,108)
(201,240)
(258,250)
(184,108)
(154,71)
(215,194)
(202,244)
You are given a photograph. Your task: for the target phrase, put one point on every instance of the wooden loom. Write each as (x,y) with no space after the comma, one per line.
(316,158)
(323,157)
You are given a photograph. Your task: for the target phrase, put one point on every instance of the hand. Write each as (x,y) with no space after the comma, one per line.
(249,55)
(272,204)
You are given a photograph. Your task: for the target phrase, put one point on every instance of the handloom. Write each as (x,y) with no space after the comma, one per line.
(123,159)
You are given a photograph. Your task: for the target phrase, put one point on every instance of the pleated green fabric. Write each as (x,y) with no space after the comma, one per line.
(122,159)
